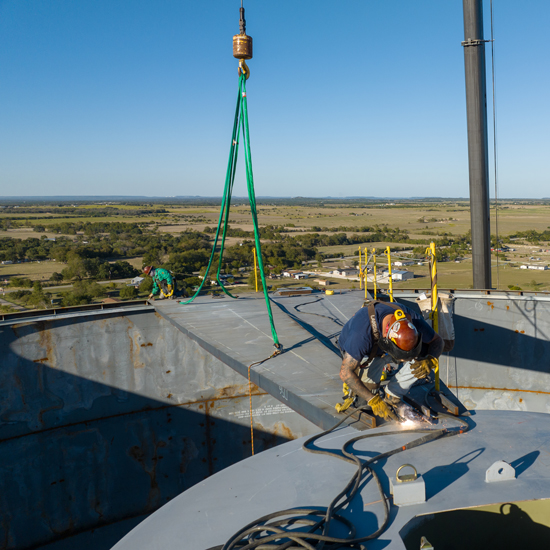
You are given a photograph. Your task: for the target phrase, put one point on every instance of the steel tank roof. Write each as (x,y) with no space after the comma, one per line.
(453,469)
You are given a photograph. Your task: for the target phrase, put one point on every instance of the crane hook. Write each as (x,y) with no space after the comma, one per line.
(243,68)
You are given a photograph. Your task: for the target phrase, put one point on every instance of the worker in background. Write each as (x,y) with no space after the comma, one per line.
(386,341)
(163,282)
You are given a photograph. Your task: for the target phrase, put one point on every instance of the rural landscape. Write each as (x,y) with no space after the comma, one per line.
(75,252)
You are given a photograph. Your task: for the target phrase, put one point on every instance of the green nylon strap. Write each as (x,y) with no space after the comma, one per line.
(240,124)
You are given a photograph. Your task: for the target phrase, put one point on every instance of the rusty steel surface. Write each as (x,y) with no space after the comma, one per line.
(119,307)
(104,418)
(106,415)
(501,356)
(305,376)
(499,360)
(453,469)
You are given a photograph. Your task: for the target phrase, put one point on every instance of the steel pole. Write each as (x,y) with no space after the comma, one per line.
(476,107)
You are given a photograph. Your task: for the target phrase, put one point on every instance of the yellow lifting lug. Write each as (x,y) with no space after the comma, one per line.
(243,69)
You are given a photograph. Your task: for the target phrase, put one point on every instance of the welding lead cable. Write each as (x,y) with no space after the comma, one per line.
(238,537)
(248,538)
(333,319)
(431,435)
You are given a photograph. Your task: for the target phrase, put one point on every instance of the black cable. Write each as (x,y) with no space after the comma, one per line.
(333,319)
(260,534)
(242,20)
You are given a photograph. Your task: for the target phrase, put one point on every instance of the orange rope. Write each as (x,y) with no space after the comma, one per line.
(251,421)
(276,352)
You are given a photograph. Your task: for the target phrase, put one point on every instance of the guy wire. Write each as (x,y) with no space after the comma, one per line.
(497,246)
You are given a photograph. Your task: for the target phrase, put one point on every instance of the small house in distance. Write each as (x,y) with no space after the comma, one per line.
(323,282)
(136,281)
(400,263)
(541,267)
(346,272)
(402,275)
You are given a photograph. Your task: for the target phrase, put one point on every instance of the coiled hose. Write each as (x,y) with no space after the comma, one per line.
(273,531)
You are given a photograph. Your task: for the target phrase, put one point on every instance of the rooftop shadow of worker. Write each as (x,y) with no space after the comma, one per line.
(509,527)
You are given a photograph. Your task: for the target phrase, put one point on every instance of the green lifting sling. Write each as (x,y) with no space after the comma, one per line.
(240,123)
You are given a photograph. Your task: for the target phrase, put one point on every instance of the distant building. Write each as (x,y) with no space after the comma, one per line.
(323,282)
(402,275)
(291,273)
(136,281)
(346,272)
(539,267)
(400,263)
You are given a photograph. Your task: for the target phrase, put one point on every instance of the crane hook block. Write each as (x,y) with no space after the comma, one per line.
(242,46)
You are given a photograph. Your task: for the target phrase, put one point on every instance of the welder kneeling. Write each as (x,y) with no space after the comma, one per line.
(386,341)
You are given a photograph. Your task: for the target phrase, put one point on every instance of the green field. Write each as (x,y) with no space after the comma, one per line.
(425,220)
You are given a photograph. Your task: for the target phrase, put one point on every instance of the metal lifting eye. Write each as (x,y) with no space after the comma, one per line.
(404,478)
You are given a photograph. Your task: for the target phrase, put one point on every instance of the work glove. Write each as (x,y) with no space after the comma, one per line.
(150,296)
(421,369)
(341,407)
(381,408)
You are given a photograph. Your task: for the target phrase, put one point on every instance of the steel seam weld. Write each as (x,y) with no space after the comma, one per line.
(86,422)
(299,404)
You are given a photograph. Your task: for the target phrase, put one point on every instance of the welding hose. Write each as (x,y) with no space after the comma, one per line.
(355,481)
(254,529)
(304,539)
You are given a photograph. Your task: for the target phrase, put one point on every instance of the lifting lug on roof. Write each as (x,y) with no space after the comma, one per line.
(500,471)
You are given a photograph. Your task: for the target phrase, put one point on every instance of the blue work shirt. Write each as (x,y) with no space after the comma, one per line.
(357,339)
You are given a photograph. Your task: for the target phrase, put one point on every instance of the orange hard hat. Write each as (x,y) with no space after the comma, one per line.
(147,269)
(402,332)
(402,340)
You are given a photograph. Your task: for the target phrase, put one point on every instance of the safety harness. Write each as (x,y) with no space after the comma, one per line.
(374,325)
(349,396)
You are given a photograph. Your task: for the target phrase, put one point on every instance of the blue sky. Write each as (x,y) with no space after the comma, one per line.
(347,98)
